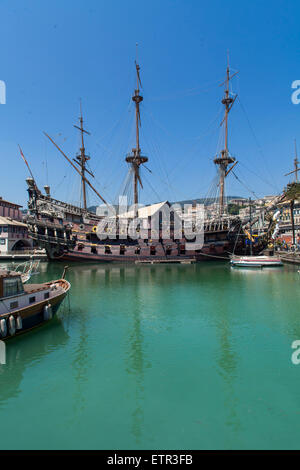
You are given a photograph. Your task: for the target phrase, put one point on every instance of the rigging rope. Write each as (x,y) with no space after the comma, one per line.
(258,145)
(243,184)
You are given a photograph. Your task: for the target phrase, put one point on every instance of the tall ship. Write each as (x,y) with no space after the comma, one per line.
(72,233)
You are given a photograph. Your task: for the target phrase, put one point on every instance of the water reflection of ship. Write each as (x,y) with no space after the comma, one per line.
(91,275)
(22,352)
(135,368)
(227,368)
(99,276)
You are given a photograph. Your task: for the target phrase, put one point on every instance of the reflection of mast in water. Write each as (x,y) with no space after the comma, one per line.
(22,351)
(136,365)
(227,362)
(80,363)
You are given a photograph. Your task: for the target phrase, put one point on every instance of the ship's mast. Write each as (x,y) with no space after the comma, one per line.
(296,168)
(82,158)
(135,158)
(80,161)
(296,163)
(224,159)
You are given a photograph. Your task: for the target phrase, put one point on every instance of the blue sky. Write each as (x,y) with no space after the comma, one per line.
(55,52)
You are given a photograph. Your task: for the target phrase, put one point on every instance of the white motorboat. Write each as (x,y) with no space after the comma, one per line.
(255,261)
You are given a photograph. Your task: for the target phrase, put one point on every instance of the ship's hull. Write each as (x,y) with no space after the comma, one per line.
(71,234)
(216,246)
(175,252)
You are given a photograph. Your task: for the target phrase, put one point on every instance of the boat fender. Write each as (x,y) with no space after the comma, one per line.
(12,325)
(19,323)
(47,312)
(3,327)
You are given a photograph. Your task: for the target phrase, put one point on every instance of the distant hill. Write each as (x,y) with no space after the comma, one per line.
(92,209)
(205,201)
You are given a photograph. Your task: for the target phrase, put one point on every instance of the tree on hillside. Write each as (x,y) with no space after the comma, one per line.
(233,209)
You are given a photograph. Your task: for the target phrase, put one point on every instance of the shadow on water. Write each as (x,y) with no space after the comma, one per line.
(24,350)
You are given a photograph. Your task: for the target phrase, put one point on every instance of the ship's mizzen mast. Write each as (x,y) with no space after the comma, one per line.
(135,158)
(82,158)
(224,158)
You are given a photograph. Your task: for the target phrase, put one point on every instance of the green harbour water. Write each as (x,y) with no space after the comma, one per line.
(158,357)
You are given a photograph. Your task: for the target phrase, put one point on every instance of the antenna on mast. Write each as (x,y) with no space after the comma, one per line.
(224,158)
(135,158)
(296,162)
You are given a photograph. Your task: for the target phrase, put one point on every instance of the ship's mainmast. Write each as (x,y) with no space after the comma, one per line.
(82,158)
(135,158)
(224,158)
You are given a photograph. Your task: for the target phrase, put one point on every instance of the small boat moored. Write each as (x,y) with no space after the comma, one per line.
(255,261)
(24,307)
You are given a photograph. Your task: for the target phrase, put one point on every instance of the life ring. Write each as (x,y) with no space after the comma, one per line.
(94,229)
(81,226)
(3,327)
(12,325)
(47,312)
(19,323)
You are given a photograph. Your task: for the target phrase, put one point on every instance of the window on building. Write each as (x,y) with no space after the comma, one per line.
(14,305)
(31,300)
(46,296)
(2,241)
(5,229)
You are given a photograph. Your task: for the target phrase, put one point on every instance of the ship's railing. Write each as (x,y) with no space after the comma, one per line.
(68,207)
(50,239)
(25,251)
(46,223)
